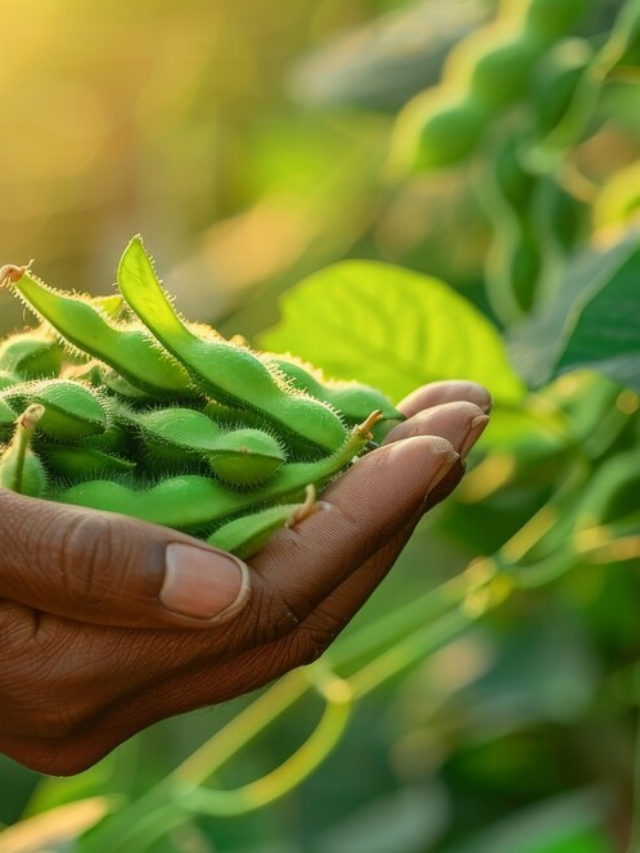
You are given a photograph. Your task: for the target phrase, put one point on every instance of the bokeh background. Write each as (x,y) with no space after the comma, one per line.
(248,142)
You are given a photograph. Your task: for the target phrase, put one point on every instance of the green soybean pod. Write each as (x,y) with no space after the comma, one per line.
(515,183)
(495,64)
(191,502)
(232,417)
(246,457)
(7,419)
(229,373)
(8,380)
(556,80)
(72,411)
(515,262)
(112,381)
(112,306)
(238,457)
(31,355)
(552,19)
(438,128)
(20,469)
(353,400)
(245,536)
(80,463)
(127,349)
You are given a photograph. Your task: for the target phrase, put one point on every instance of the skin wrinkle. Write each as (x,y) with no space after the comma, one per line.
(202,670)
(279,658)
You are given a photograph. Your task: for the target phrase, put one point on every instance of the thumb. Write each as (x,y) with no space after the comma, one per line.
(113,570)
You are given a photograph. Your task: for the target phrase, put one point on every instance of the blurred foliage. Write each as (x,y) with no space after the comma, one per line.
(486,700)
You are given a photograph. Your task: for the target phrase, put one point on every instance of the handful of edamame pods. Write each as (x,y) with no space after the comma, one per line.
(119,404)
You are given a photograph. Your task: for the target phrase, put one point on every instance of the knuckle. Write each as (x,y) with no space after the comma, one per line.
(308,644)
(93,562)
(277,614)
(60,760)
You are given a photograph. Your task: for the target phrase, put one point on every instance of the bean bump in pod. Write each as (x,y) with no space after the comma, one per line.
(229,373)
(193,502)
(72,411)
(239,457)
(486,74)
(20,469)
(163,420)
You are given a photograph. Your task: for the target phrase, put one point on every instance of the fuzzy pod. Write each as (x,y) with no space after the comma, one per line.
(7,419)
(246,457)
(242,458)
(245,536)
(21,470)
(127,349)
(31,355)
(8,380)
(353,400)
(231,374)
(72,411)
(191,502)
(81,463)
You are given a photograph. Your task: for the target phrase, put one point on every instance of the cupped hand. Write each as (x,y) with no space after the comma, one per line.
(108,624)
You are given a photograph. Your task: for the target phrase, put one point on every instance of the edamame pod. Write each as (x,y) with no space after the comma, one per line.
(127,349)
(556,80)
(438,128)
(553,18)
(72,411)
(227,372)
(192,502)
(245,536)
(246,457)
(31,355)
(8,380)
(353,400)
(7,419)
(241,457)
(20,469)
(494,64)
(81,463)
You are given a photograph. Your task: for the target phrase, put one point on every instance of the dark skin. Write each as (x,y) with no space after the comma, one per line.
(90,653)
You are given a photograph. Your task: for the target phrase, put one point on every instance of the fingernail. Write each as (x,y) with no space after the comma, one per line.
(479,395)
(202,583)
(448,461)
(476,428)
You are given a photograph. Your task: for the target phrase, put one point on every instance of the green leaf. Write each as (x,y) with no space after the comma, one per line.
(391,328)
(593,320)
(573,823)
(604,327)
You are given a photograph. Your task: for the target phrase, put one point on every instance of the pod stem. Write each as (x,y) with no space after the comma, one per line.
(304,510)
(10,273)
(363,430)
(26,425)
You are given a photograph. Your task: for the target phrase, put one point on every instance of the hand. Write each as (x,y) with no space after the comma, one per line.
(108,624)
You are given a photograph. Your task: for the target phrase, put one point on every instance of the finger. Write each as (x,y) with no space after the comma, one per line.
(135,686)
(336,611)
(111,570)
(462,423)
(362,510)
(447,391)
